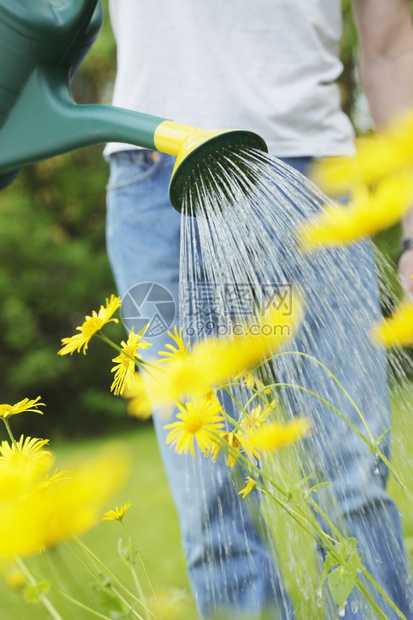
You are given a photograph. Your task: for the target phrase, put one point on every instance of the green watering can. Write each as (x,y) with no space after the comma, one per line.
(42,43)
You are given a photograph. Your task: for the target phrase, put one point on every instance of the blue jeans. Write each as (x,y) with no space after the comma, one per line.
(229,558)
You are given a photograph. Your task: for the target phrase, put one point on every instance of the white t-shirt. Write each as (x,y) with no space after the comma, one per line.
(269,66)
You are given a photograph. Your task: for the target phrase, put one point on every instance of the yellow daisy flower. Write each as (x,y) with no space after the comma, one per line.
(139,405)
(251,484)
(125,367)
(50,479)
(198,419)
(232,442)
(26,449)
(251,381)
(15,579)
(68,508)
(23,405)
(181,350)
(378,156)
(215,360)
(91,325)
(396,330)
(117,514)
(22,465)
(367,214)
(272,436)
(257,415)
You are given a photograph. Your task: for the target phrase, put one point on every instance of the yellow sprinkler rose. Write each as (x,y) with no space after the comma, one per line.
(68,507)
(396,330)
(90,326)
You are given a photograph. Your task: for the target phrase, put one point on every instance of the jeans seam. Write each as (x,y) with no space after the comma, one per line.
(136,180)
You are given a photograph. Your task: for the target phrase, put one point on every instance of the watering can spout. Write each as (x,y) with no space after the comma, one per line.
(46,121)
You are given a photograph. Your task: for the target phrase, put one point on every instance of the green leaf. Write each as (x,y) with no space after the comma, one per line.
(110,601)
(341,582)
(32,593)
(342,579)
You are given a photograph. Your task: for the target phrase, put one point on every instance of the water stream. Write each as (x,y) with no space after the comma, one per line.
(239,253)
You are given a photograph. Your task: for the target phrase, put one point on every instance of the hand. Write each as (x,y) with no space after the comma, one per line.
(406,272)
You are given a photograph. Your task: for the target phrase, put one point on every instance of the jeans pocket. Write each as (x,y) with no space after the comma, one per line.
(128,168)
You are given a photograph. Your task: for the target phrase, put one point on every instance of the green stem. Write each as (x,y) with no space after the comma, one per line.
(49,606)
(380,591)
(99,563)
(148,578)
(7,425)
(328,371)
(136,580)
(142,563)
(370,444)
(81,605)
(142,364)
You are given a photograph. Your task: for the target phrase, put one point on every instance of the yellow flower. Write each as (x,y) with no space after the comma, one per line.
(366,214)
(198,419)
(15,578)
(48,480)
(396,330)
(378,156)
(232,442)
(257,415)
(181,350)
(139,405)
(59,511)
(215,360)
(252,381)
(22,465)
(117,514)
(126,361)
(251,484)
(25,450)
(275,435)
(91,325)
(23,405)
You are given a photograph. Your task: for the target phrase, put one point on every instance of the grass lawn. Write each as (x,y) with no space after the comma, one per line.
(152,522)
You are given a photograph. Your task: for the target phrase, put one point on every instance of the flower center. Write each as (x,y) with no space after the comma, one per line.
(91,326)
(193,423)
(5,410)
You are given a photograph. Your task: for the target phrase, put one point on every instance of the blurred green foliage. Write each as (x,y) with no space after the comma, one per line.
(54,269)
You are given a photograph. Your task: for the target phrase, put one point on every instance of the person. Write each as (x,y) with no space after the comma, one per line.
(269,66)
